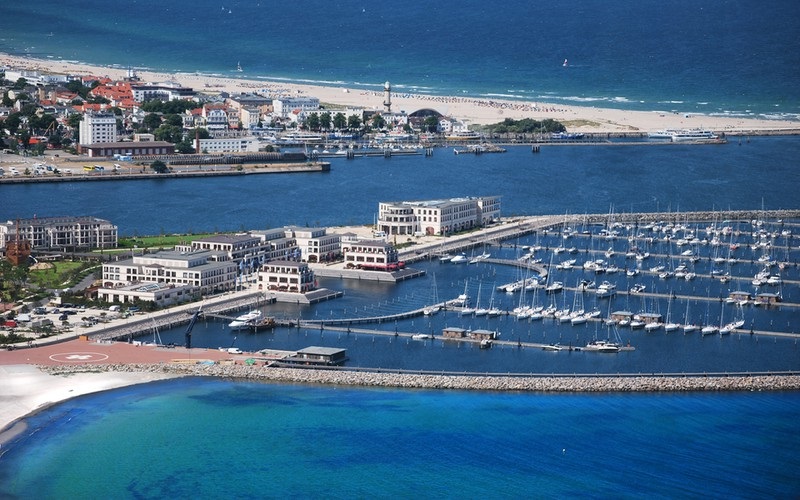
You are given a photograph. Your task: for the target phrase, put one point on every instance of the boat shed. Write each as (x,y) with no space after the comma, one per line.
(767,298)
(618,316)
(313,355)
(453,332)
(739,296)
(483,334)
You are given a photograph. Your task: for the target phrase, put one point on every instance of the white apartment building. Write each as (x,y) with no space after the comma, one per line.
(371,254)
(287,276)
(97,128)
(437,217)
(61,232)
(284,106)
(315,244)
(205,271)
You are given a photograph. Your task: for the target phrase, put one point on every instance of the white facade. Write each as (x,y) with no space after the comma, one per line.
(287,276)
(229,145)
(98,128)
(437,217)
(62,232)
(315,244)
(284,107)
(371,254)
(197,269)
(160,293)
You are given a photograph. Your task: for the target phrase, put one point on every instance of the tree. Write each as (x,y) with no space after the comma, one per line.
(159,167)
(378,122)
(20,84)
(339,121)
(325,120)
(74,120)
(184,147)
(173,119)
(200,133)
(312,122)
(168,133)
(354,122)
(430,124)
(151,121)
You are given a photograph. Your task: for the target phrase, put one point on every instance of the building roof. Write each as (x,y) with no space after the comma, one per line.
(321,351)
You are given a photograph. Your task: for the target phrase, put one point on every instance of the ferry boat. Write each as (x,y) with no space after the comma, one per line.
(694,134)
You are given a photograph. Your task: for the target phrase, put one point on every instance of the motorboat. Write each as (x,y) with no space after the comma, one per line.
(459,259)
(421,336)
(245,320)
(601,346)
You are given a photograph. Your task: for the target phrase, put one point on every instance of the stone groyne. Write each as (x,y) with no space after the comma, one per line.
(533,383)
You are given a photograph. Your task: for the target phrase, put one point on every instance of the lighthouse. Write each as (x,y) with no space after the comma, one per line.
(387,97)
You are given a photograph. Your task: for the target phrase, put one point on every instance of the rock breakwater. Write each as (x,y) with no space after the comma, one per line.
(533,383)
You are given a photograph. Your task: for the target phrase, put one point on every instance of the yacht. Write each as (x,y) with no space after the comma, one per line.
(245,320)
(601,346)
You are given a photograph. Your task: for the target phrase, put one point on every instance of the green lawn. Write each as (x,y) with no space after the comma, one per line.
(61,275)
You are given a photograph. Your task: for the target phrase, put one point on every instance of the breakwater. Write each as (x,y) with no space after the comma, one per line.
(480,382)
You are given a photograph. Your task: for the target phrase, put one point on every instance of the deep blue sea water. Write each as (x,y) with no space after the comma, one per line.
(214,438)
(731,57)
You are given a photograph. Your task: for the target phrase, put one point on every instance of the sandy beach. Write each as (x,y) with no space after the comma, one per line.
(469,110)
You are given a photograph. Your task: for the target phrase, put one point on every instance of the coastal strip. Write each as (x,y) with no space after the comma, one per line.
(468,381)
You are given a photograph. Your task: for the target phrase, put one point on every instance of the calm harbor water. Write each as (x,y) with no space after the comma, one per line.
(558,180)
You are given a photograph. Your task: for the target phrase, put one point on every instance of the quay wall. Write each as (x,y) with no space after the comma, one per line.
(442,381)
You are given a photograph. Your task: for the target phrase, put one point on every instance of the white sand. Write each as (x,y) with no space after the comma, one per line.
(469,110)
(25,389)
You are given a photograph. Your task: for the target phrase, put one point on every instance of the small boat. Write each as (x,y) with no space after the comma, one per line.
(554,287)
(485,344)
(459,259)
(245,320)
(421,336)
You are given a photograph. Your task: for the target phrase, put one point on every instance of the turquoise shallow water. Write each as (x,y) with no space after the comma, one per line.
(218,438)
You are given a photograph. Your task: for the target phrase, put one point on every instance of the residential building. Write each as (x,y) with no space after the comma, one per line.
(69,233)
(286,276)
(437,217)
(315,244)
(204,270)
(371,255)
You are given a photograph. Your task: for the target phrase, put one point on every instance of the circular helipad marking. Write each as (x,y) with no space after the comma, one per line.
(79,357)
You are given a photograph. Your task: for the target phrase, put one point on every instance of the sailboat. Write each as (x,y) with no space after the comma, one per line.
(239,67)
(433,308)
(494,311)
(480,311)
(688,327)
(670,326)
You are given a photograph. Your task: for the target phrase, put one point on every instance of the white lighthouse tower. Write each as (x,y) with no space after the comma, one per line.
(387,97)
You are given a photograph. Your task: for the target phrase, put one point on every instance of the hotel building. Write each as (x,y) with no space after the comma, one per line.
(437,217)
